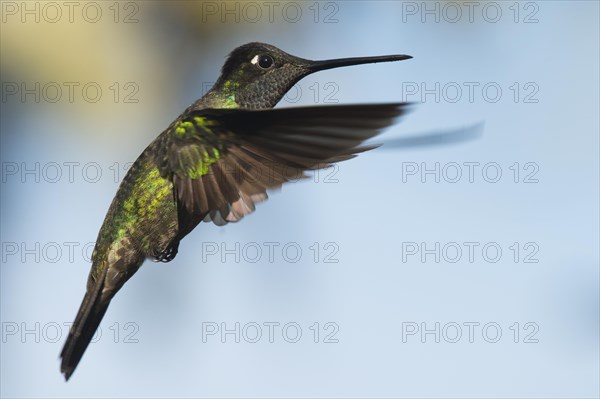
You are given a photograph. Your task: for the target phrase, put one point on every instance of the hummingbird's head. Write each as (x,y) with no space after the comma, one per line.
(257,75)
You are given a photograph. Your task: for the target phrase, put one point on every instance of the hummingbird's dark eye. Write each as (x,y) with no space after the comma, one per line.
(265,61)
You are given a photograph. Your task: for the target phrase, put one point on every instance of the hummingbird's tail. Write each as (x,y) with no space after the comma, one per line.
(86,322)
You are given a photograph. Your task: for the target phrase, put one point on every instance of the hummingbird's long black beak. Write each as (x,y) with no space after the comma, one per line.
(315,66)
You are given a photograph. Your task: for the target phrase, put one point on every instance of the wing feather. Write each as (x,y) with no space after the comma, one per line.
(223,161)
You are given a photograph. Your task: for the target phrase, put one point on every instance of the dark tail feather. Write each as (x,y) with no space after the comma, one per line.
(88,319)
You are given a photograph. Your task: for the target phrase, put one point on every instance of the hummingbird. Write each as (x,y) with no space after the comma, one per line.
(215,162)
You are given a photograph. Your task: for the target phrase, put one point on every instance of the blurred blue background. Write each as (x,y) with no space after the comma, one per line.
(350,245)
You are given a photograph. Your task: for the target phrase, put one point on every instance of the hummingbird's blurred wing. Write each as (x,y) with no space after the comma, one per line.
(222,161)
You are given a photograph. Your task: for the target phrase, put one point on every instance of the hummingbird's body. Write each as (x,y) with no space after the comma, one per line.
(214,163)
